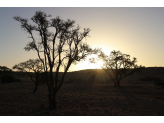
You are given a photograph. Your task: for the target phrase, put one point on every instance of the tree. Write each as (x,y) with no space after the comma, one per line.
(118,66)
(62,47)
(29,66)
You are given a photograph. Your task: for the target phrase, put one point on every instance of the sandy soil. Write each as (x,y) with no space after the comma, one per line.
(84,98)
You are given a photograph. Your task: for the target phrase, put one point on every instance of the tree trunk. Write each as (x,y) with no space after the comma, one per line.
(117,84)
(52,102)
(114,84)
(37,82)
(36,86)
(52,94)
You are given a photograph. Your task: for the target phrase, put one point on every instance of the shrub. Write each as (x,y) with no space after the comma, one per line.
(7,79)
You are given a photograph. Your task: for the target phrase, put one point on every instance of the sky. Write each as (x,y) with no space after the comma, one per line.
(138,32)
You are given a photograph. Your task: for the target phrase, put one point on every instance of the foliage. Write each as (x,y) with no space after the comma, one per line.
(31,65)
(62,47)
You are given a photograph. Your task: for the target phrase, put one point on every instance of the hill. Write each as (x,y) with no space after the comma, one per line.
(85,75)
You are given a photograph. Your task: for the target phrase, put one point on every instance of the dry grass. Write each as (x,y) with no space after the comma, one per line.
(83,98)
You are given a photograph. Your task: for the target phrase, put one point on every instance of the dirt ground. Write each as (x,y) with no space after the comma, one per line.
(84,98)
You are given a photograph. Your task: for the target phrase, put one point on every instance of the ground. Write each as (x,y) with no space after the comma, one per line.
(84,98)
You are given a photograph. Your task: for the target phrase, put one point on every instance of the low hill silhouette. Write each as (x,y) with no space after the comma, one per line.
(157,72)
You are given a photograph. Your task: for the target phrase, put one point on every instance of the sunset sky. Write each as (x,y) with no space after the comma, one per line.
(138,32)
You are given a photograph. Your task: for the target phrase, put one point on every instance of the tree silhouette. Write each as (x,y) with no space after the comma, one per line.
(31,66)
(62,47)
(118,66)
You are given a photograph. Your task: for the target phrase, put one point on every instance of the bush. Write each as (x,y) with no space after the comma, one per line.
(7,79)
(148,78)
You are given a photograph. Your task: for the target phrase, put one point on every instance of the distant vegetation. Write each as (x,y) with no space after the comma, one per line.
(9,78)
(6,75)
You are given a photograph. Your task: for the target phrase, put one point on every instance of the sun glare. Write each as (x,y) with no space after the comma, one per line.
(87,65)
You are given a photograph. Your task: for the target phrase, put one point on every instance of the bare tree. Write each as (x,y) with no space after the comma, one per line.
(29,67)
(62,47)
(118,66)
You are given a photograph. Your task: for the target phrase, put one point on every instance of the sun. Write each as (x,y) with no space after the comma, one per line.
(86,64)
